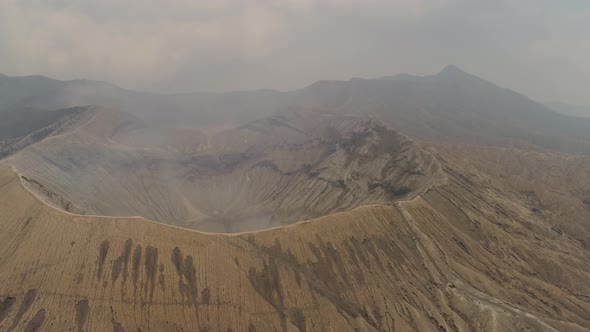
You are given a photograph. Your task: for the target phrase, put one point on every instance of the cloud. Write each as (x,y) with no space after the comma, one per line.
(185,45)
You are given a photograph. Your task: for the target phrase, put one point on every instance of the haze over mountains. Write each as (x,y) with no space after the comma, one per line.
(430,203)
(569,109)
(452,105)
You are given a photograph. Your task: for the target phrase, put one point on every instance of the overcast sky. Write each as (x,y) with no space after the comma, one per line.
(538,47)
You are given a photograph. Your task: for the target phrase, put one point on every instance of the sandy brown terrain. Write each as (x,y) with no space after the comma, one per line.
(460,257)
(555,185)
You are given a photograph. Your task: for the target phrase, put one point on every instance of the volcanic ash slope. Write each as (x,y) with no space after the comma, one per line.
(458,257)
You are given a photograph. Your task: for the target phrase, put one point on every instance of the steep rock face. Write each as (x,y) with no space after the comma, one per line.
(459,257)
(555,186)
(268,173)
(20,128)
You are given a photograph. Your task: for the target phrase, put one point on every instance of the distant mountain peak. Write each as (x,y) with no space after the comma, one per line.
(452,73)
(452,70)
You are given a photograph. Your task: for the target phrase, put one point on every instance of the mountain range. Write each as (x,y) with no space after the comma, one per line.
(401,203)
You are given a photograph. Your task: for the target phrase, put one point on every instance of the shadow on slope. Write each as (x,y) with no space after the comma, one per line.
(460,257)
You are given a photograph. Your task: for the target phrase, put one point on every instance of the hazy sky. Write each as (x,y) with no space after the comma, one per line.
(538,47)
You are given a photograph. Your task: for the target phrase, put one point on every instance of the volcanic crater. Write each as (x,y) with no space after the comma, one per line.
(289,167)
